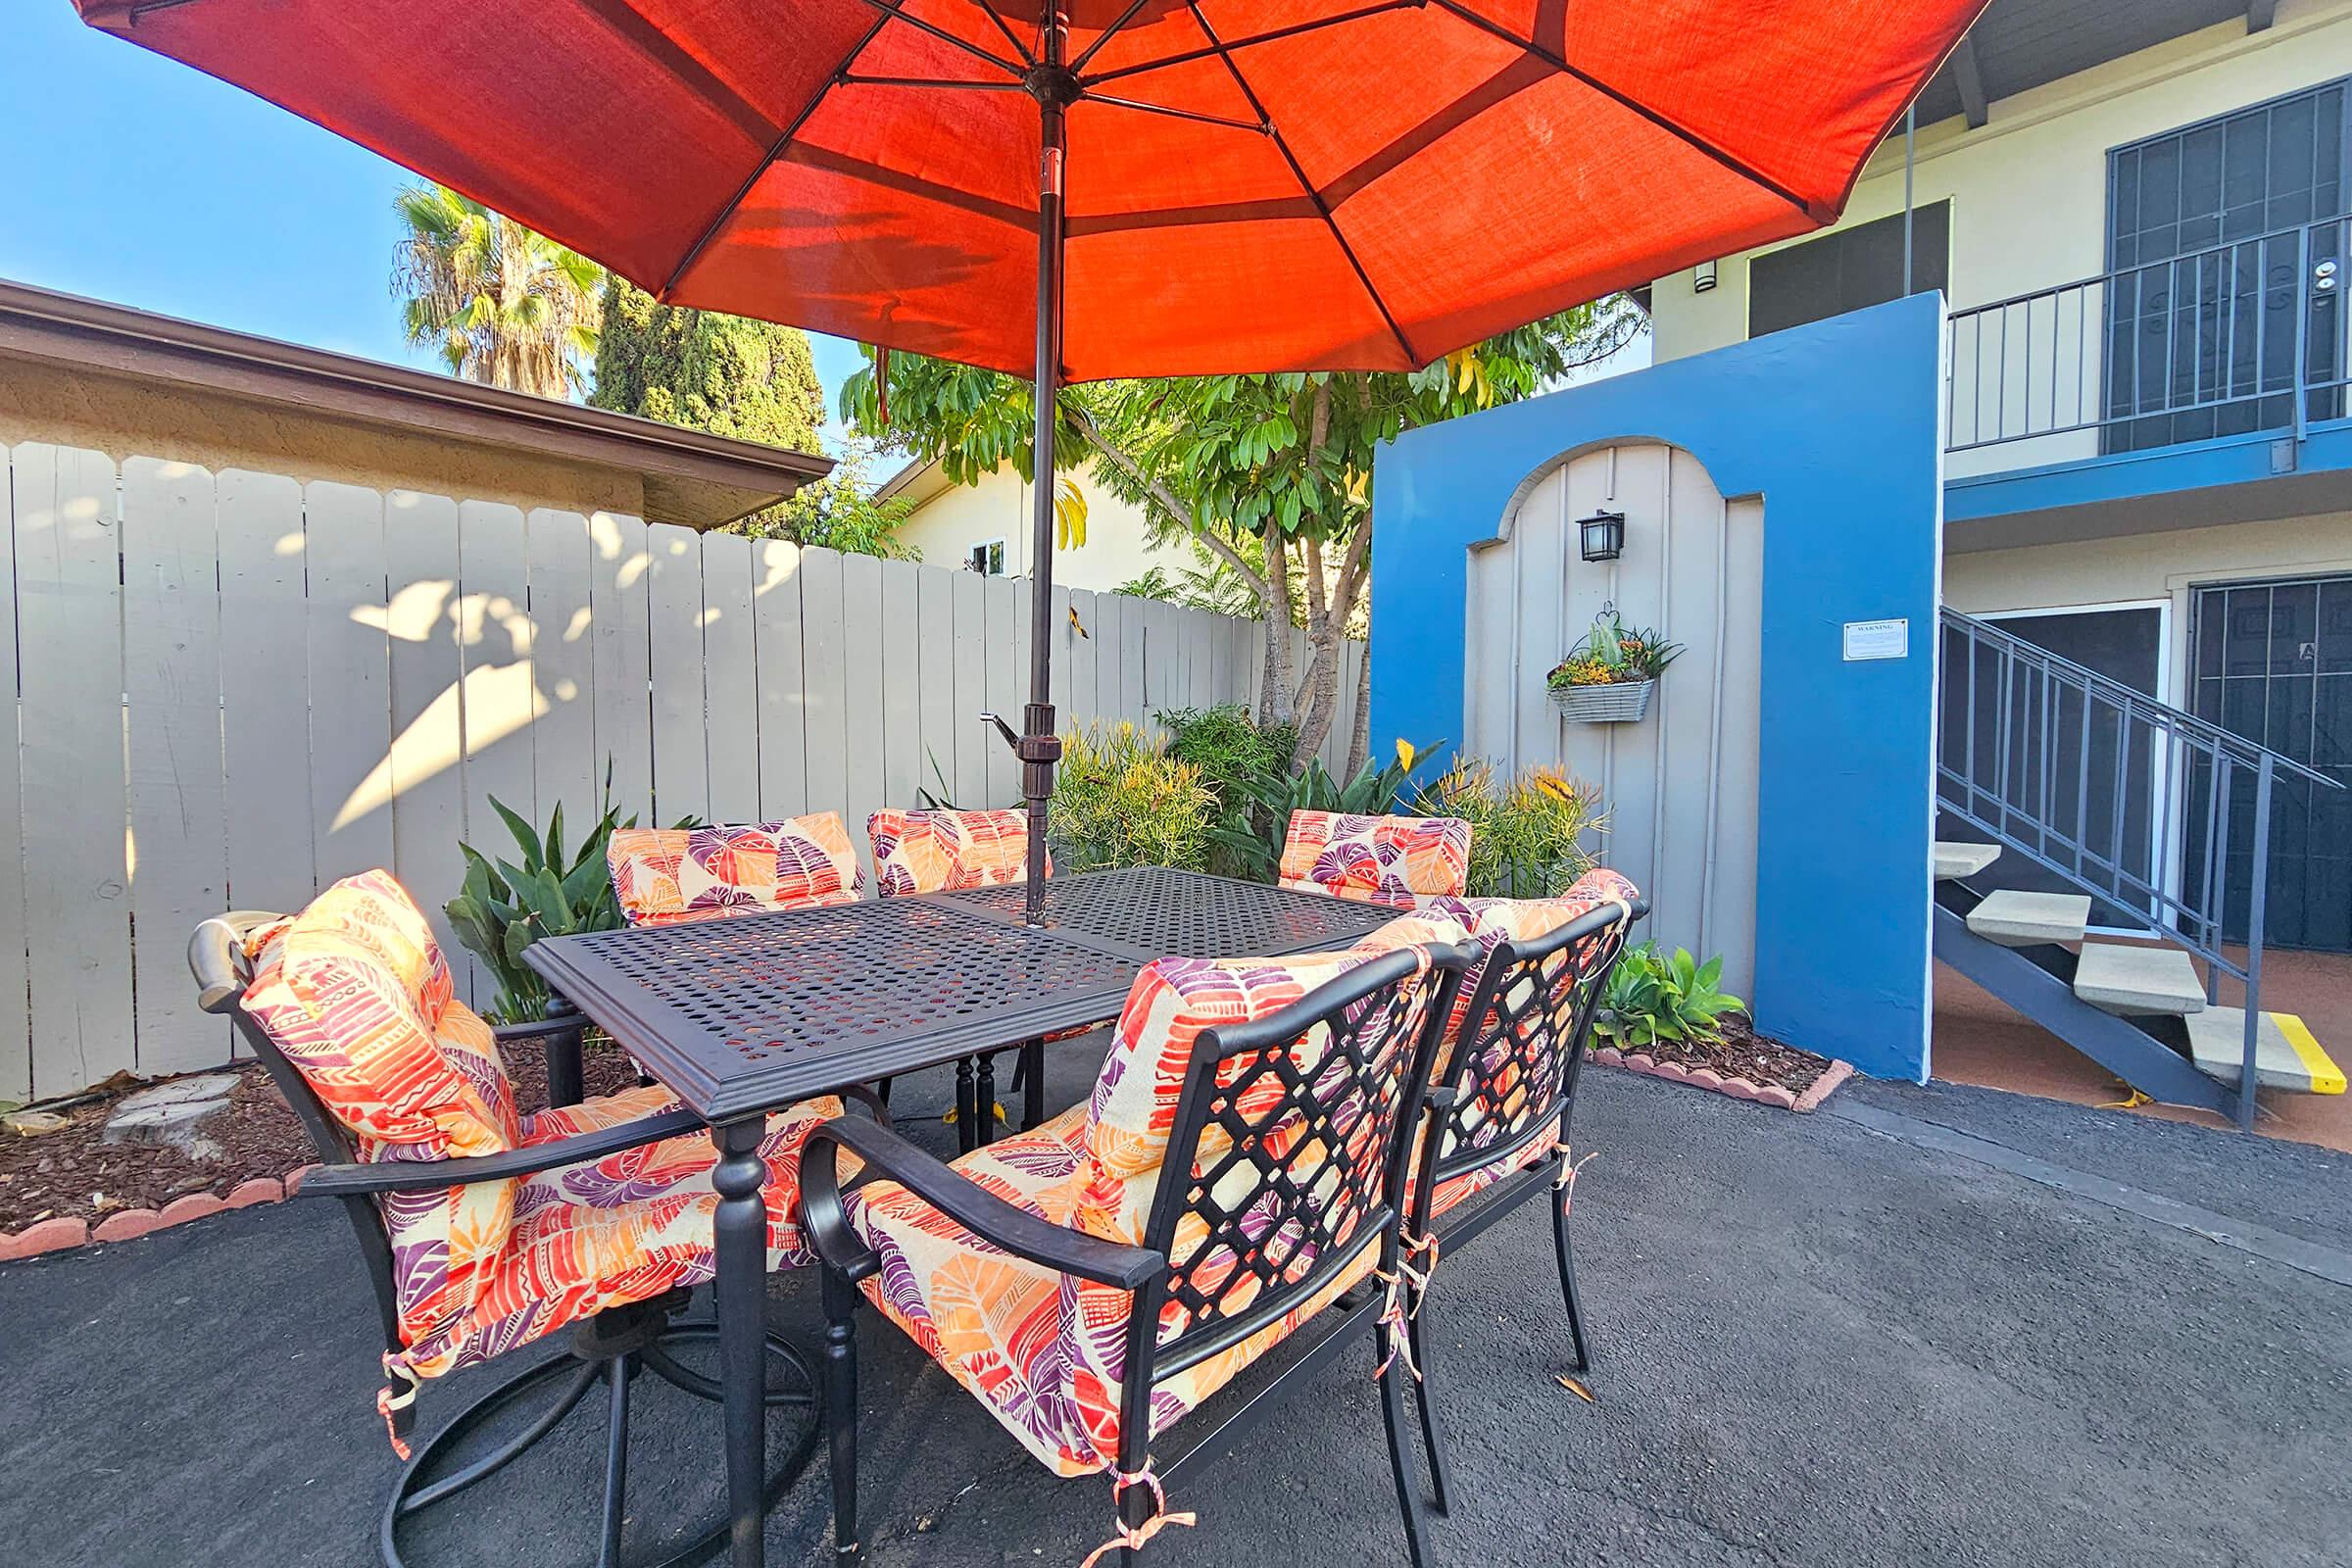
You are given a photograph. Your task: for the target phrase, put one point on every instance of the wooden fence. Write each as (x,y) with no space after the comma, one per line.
(234,689)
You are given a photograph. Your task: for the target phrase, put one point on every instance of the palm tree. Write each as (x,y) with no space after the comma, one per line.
(503,305)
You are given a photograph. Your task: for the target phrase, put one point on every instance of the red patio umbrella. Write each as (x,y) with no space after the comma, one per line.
(1117,187)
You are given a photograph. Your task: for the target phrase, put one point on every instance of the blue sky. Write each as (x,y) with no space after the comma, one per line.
(135,179)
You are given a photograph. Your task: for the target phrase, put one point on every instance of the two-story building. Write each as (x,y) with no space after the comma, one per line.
(2140,216)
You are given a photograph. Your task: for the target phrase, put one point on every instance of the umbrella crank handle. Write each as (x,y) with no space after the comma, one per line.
(1038,754)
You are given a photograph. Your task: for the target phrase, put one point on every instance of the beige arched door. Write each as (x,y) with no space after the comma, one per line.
(1680,786)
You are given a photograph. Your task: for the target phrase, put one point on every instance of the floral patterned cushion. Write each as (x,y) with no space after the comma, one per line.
(947,851)
(355,993)
(1398,860)
(663,876)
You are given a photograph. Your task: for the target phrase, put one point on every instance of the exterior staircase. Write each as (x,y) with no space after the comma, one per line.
(2147,844)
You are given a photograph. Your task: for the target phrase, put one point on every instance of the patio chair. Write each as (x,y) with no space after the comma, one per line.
(1087,1303)
(483,1228)
(663,876)
(948,850)
(1400,860)
(1505,1090)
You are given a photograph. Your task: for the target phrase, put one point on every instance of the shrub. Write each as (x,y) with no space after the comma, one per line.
(1121,799)
(1525,832)
(1653,998)
(1231,750)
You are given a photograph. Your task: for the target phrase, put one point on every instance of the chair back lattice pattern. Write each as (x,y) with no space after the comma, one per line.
(1296,1125)
(1513,1066)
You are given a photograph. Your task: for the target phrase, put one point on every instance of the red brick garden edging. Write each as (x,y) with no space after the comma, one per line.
(1773,1094)
(128,1224)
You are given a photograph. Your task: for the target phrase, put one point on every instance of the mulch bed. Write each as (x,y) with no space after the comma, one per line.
(1742,1064)
(69,1174)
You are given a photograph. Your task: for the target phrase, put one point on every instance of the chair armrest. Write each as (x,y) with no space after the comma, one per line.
(982,1213)
(424,1176)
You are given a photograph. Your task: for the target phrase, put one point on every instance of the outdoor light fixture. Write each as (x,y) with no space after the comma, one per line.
(1602,535)
(1702,278)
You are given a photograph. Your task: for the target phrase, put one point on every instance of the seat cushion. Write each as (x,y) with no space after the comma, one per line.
(1042,1352)
(1398,860)
(663,876)
(948,850)
(583,1239)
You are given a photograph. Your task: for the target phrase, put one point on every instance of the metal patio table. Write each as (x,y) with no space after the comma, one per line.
(740,1017)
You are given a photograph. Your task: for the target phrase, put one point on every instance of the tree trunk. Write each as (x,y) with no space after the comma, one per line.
(1359,741)
(1276,704)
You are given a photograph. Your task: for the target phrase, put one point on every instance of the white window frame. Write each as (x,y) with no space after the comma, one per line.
(976,556)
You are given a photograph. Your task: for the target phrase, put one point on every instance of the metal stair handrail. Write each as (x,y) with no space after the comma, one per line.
(2131,698)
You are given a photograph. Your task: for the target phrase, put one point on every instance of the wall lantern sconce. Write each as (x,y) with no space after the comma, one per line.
(1602,536)
(1702,278)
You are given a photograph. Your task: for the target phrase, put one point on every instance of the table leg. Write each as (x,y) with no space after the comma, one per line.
(1033,1084)
(968,1118)
(739,1295)
(565,1069)
(984,1130)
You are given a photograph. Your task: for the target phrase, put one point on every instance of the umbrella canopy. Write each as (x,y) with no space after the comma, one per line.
(1107,187)
(1252,184)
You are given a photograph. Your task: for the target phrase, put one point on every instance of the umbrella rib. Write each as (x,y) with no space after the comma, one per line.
(847,81)
(1625,100)
(895,9)
(1258,127)
(998,17)
(775,151)
(1305,185)
(1188,55)
(1107,33)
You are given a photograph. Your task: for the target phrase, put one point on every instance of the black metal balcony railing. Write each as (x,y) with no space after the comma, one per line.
(2152,811)
(2244,336)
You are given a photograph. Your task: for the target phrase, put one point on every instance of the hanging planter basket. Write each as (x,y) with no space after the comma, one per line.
(1625,702)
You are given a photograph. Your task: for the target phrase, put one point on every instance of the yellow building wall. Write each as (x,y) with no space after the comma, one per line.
(1117,546)
(2029,189)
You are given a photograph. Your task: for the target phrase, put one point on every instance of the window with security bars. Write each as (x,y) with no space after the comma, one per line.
(2226,248)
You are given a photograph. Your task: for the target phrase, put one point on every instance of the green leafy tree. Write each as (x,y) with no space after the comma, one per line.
(1271,474)
(502,304)
(755,381)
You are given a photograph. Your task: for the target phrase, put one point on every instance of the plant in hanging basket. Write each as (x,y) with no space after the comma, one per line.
(1607,677)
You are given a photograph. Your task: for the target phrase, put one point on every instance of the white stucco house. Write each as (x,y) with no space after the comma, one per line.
(985,528)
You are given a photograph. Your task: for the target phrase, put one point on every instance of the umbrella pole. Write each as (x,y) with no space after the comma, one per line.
(1053,85)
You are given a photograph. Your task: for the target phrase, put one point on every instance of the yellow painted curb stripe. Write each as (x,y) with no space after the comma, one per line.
(2326,1078)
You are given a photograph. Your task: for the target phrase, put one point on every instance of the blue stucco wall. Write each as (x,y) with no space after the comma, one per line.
(1836,426)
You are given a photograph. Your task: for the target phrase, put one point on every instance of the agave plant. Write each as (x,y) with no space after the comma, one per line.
(1653,997)
(504,906)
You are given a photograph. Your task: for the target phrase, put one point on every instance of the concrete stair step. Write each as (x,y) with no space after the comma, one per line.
(2020,919)
(2285,1054)
(1958,857)
(2138,982)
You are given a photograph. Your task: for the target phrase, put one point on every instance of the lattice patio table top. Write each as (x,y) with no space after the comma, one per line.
(747,1013)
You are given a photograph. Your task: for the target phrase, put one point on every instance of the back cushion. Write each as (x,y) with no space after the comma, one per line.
(949,852)
(1133,1112)
(1397,861)
(665,875)
(355,992)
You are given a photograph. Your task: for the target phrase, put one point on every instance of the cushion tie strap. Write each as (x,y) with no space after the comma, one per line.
(1393,1323)
(1134,1538)
(389,1402)
(1566,1181)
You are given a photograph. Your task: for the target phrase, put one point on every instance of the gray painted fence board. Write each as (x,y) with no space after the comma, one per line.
(1005,682)
(776,619)
(564,770)
(902,728)
(178,803)
(351,677)
(861,640)
(70,647)
(942,724)
(15,1026)
(822,668)
(681,757)
(424,770)
(730,678)
(974,745)
(618,597)
(264,691)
